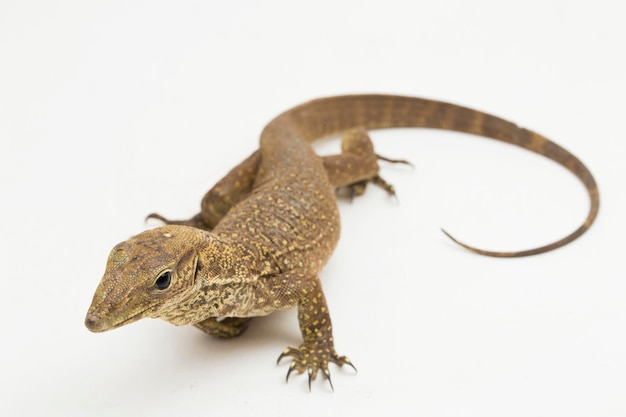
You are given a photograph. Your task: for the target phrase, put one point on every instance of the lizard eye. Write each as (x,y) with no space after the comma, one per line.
(164,280)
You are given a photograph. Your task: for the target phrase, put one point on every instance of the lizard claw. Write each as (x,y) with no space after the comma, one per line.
(290,351)
(311,377)
(292,366)
(313,359)
(390,189)
(357,189)
(330,381)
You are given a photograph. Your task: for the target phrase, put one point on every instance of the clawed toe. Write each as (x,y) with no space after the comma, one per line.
(311,360)
(395,161)
(158,217)
(195,221)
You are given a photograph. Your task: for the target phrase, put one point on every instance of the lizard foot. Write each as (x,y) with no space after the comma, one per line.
(313,358)
(358,188)
(377,180)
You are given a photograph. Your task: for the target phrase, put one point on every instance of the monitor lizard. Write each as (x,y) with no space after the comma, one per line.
(268,227)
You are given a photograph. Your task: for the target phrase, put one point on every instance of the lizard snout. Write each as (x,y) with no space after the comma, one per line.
(95,323)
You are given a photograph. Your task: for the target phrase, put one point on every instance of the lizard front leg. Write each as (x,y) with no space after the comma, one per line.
(318,349)
(230,190)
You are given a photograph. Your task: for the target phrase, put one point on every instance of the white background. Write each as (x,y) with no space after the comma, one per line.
(110,110)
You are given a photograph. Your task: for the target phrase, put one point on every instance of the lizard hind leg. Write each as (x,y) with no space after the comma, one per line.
(357,165)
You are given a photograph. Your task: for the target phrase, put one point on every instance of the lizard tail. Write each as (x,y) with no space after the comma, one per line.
(327,116)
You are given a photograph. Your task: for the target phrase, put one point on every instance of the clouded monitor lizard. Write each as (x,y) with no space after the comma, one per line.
(269,226)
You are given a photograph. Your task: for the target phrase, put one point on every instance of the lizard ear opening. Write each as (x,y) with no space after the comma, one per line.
(186,267)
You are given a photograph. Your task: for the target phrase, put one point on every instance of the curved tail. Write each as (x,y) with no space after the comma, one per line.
(332,115)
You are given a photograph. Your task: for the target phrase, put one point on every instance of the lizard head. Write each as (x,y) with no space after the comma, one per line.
(145,275)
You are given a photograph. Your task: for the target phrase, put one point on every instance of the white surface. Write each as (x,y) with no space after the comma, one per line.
(112,110)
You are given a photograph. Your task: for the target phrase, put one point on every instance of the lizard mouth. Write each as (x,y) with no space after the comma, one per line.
(97,323)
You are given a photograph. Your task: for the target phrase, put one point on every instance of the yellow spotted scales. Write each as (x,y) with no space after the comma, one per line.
(269,226)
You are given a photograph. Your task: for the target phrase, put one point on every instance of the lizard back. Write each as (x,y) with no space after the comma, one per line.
(327,116)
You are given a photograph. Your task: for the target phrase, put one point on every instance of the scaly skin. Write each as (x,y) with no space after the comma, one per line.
(269,226)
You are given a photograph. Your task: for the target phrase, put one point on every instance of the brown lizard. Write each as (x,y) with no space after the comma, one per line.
(269,226)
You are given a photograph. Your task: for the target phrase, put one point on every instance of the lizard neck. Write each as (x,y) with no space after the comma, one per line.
(229,283)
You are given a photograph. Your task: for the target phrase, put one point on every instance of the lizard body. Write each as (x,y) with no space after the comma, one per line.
(268,227)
